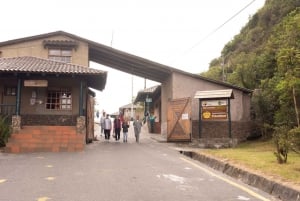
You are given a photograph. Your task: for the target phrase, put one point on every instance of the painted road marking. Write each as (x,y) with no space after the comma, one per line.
(243,198)
(2,181)
(43,199)
(250,192)
(50,178)
(49,166)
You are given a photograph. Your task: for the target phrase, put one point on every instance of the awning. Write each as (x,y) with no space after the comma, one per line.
(152,92)
(214,94)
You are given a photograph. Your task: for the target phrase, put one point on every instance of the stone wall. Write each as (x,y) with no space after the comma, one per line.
(16,123)
(219,129)
(49,120)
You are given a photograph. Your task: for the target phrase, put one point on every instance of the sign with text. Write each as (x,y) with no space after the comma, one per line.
(35,83)
(148,100)
(214,109)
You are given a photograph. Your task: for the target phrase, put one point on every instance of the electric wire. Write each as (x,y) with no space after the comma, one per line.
(218,28)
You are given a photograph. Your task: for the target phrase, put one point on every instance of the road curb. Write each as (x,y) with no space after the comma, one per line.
(279,190)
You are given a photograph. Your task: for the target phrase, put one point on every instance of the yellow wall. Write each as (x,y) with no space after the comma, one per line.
(36,48)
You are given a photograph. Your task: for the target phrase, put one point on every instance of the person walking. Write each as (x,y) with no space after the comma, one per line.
(117,127)
(102,123)
(152,122)
(125,126)
(137,124)
(107,127)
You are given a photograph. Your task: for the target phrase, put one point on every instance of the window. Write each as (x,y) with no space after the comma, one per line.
(10,91)
(59,99)
(63,55)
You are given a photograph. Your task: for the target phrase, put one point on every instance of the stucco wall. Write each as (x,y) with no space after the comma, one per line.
(35,48)
(186,86)
(26,92)
(166,94)
(182,86)
(37,114)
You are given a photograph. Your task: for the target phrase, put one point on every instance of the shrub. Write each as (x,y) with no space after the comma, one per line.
(4,131)
(282,139)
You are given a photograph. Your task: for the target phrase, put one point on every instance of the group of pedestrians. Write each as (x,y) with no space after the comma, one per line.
(119,125)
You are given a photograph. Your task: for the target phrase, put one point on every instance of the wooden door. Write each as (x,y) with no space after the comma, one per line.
(179,120)
(90,120)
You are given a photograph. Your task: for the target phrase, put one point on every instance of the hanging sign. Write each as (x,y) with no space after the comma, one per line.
(214,109)
(148,100)
(35,83)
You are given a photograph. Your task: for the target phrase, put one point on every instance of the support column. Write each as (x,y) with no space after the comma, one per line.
(81,99)
(16,123)
(16,119)
(81,125)
(18,98)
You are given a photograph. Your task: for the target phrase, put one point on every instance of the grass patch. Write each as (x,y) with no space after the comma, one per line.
(259,156)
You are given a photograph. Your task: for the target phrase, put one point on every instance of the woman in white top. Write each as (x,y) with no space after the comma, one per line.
(107,127)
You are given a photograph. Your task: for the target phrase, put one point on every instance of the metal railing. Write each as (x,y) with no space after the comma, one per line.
(7,109)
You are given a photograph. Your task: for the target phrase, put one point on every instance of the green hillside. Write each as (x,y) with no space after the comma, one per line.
(265,57)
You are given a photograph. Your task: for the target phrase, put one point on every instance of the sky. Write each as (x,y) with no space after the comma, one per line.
(183,34)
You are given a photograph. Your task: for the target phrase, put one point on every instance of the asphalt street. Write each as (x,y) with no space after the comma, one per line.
(117,171)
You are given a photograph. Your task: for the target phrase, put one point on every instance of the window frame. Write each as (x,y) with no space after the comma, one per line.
(60,54)
(59,99)
(10,91)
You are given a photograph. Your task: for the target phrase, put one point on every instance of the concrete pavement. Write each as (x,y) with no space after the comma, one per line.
(283,190)
(275,188)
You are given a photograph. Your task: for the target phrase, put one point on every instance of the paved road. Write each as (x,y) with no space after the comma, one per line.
(117,171)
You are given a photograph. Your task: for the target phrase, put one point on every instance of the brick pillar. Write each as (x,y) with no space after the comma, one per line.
(16,123)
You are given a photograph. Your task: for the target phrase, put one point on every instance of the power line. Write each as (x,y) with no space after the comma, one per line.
(219,27)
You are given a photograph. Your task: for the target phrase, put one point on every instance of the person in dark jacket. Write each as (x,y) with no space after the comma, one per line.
(125,126)
(117,127)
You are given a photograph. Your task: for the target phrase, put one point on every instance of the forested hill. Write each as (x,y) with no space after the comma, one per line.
(265,55)
(252,55)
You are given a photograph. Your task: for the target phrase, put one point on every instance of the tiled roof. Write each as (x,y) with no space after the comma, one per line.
(150,89)
(150,92)
(22,65)
(38,65)
(60,43)
(129,106)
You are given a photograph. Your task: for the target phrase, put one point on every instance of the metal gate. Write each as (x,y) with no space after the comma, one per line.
(179,120)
